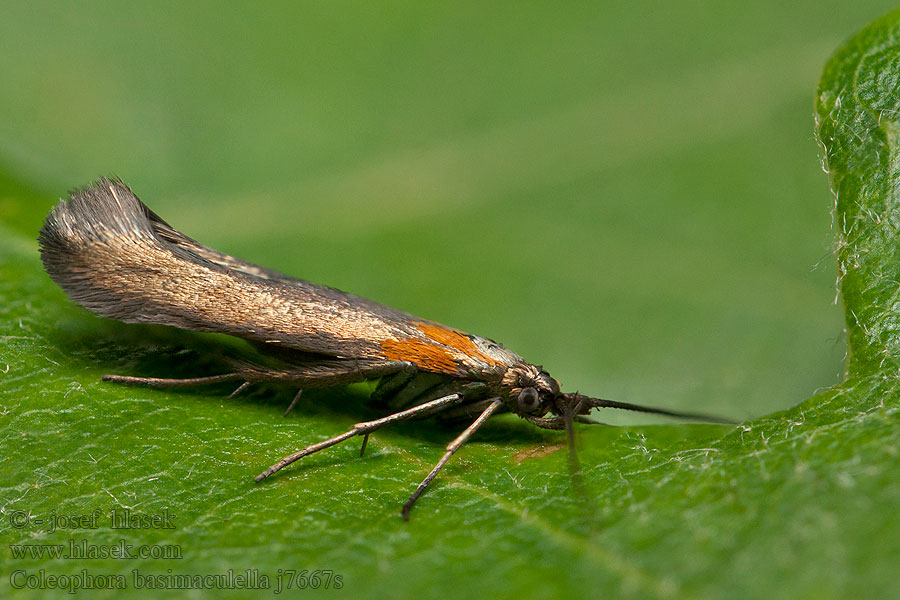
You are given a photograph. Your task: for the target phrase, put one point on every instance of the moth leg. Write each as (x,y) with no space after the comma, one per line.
(293,402)
(390,385)
(239,389)
(559,423)
(452,447)
(470,408)
(477,400)
(363,428)
(156,382)
(427,386)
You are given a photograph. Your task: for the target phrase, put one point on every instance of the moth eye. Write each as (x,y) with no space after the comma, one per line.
(528,399)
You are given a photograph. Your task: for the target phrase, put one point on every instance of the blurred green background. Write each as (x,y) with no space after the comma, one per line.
(627,193)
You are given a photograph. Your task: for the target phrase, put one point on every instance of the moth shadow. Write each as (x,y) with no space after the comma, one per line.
(92,343)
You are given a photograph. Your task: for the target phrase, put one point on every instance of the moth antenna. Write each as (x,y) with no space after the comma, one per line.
(603,403)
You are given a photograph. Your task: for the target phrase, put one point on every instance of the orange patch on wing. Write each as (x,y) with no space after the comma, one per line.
(453,338)
(437,354)
(430,357)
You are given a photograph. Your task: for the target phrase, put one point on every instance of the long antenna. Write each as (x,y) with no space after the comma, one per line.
(602,403)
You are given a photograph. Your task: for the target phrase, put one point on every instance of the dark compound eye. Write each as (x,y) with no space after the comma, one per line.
(528,399)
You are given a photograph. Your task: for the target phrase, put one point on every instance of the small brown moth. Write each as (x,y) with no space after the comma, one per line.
(114,256)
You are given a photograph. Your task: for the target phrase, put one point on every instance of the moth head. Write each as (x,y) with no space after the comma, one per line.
(532,394)
(529,390)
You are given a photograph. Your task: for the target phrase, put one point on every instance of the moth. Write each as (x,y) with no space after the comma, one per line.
(114,256)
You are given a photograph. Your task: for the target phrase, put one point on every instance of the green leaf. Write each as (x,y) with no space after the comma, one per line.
(799,503)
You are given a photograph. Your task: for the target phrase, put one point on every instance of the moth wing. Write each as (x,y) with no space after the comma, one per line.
(116,257)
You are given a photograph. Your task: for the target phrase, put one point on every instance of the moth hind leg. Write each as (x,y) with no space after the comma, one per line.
(314,374)
(158,382)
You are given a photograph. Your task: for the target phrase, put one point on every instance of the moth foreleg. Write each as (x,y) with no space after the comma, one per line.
(559,423)
(472,405)
(477,399)
(452,447)
(364,428)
